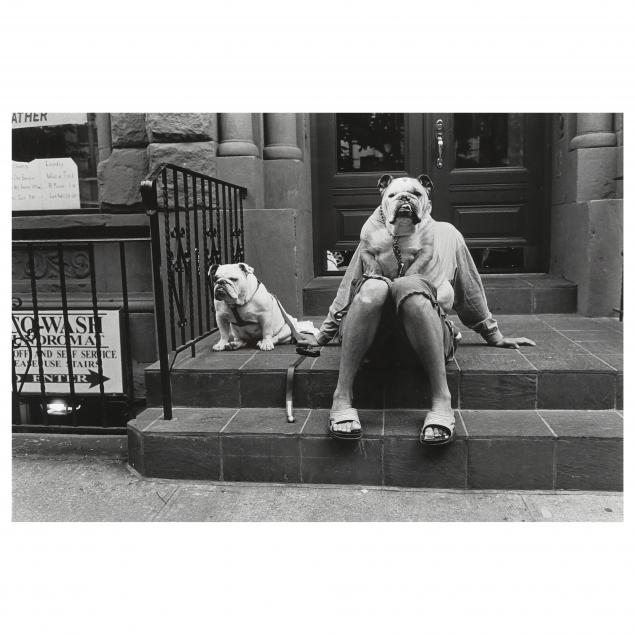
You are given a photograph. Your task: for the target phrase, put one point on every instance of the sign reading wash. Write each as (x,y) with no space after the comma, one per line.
(84,333)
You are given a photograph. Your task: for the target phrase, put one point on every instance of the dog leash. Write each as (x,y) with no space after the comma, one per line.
(303,350)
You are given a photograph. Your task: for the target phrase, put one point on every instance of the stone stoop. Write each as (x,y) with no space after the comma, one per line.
(500,449)
(576,364)
(543,417)
(506,294)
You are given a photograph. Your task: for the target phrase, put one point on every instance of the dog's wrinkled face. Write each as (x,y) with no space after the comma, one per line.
(405,201)
(230,281)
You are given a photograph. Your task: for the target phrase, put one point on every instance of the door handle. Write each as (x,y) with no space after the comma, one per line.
(440,139)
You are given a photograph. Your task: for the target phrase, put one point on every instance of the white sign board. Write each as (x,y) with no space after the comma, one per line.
(39,119)
(83,334)
(45,184)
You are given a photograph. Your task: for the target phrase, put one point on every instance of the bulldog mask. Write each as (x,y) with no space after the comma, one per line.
(397,240)
(405,202)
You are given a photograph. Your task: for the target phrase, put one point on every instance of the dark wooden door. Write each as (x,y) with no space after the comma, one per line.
(351,151)
(489,179)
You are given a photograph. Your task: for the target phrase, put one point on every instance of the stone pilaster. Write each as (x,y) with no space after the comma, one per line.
(593,130)
(284,168)
(586,215)
(281,136)
(239,159)
(279,245)
(237,135)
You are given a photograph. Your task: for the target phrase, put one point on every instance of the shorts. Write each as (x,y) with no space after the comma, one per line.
(391,346)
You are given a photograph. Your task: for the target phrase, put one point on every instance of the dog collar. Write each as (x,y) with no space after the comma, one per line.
(234,309)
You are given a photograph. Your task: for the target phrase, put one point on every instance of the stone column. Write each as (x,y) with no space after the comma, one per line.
(281,137)
(239,159)
(594,147)
(237,135)
(586,216)
(284,169)
(593,130)
(279,238)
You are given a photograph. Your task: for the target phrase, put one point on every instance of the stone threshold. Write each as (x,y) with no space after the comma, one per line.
(506,293)
(513,449)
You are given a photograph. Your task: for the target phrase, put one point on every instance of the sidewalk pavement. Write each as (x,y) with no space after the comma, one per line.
(78,485)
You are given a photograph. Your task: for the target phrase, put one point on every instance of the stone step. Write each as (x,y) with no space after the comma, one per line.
(502,449)
(576,364)
(506,293)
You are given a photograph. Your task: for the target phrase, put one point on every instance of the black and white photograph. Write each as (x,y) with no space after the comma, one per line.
(317,318)
(360,300)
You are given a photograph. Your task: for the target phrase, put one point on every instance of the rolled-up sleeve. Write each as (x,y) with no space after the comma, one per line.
(470,302)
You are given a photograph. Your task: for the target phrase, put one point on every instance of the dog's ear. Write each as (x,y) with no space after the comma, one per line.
(426,181)
(384,182)
(246,268)
(211,272)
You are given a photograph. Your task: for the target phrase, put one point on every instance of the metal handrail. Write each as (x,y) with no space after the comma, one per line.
(201,224)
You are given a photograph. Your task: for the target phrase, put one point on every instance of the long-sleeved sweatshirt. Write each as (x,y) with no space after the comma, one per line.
(458,268)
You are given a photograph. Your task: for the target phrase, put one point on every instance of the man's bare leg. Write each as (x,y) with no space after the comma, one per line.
(362,321)
(425,332)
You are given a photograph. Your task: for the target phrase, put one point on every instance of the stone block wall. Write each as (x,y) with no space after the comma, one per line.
(587,207)
(266,153)
(119,175)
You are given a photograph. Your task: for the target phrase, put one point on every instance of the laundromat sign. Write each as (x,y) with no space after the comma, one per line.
(39,119)
(84,334)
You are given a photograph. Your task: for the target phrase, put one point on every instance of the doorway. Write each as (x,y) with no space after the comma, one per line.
(489,172)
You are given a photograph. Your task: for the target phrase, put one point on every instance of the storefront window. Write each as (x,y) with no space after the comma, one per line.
(57,135)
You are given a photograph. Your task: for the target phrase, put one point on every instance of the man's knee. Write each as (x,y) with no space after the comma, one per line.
(373,292)
(403,284)
(417,306)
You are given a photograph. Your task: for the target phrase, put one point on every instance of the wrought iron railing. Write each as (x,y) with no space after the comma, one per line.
(62,360)
(195,221)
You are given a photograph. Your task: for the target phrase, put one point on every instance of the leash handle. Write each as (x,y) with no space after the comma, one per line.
(308,350)
(289,388)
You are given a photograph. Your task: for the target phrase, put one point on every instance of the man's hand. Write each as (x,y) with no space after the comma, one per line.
(513,342)
(308,339)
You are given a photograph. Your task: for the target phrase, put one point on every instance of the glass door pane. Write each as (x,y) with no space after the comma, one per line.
(484,140)
(370,142)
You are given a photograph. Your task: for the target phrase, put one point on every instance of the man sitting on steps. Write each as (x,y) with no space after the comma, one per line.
(415,269)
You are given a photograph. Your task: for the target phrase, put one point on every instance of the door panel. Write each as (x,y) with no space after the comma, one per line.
(488,172)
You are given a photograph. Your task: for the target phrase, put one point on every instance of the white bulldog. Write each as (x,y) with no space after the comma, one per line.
(397,234)
(246,312)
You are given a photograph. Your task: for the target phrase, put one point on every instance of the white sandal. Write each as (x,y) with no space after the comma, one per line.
(344,416)
(438,420)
